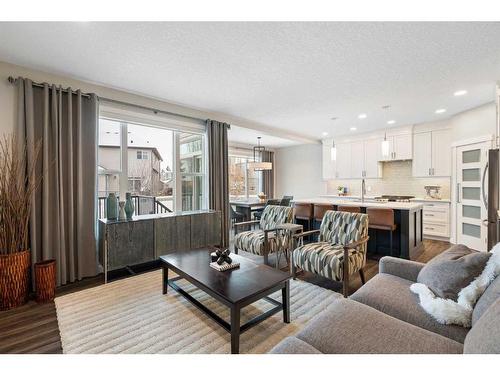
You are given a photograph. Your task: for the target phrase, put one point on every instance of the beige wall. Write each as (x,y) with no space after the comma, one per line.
(298,171)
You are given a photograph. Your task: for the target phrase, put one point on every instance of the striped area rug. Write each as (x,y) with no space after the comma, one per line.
(133,316)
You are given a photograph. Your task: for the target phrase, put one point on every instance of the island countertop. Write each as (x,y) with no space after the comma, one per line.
(357,203)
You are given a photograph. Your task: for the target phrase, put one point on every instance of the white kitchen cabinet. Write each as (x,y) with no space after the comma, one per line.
(357,159)
(400,147)
(403,147)
(372,152)
(422,154)
(432,154)
(343,160)
(436,220)
(441,153)
(329,165)
(353,160)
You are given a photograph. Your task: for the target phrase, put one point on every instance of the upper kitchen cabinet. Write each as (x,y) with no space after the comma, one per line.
(372,153)
(432,154)
(357,159)
(343,160)
(329,165)
(400,147)
(441,153)
(422,154)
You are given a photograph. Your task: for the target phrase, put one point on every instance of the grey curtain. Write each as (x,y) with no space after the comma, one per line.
(268,176)
(218,173)
(62,224)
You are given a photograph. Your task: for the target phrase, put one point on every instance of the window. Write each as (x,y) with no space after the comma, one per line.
(164,169)
(142,155)
(192,170)
(244,183)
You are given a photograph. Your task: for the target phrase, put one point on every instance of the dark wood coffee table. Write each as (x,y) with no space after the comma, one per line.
(234,288)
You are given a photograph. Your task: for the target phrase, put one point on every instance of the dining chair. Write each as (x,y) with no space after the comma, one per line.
(270,202)
(285,201)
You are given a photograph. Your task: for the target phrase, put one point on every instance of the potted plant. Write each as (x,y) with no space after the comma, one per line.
(18,183)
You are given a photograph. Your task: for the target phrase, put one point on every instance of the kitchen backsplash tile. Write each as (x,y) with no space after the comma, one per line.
(397,181)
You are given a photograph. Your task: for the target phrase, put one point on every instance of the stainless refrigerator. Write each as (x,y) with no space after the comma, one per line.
(491,197)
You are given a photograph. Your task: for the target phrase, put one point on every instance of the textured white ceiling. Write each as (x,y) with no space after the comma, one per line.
(244,136)
(290,76)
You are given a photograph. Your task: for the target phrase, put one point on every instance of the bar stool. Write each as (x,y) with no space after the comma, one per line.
(303,211)
(349,209)
(319,211)
(381,219)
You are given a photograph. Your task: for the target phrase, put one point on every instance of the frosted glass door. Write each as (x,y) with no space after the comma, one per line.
(471,180)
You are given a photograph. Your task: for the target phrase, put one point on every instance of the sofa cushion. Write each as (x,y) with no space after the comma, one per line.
(484,337)
(292,345)
(391,295)
(451,271)
(490,295)
(351,327)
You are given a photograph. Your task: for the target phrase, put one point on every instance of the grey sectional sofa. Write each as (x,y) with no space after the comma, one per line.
(384,316)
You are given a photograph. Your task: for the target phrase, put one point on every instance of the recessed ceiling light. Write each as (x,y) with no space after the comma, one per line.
(353,129)
(387,106)
(334,118)
(362,116)
(324,134)
(390,122)
(460,92)
(441,110)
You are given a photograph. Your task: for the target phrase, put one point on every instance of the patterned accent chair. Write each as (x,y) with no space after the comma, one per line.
(340,251)
(263,241)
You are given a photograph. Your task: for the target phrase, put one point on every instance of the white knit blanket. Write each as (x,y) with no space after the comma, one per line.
(447,311)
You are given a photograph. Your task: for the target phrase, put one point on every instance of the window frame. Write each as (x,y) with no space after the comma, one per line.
(176,172)
(248,158)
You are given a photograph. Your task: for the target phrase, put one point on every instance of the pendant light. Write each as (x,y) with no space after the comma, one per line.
(257,154)
(385,142)
(333,151)
(385,146)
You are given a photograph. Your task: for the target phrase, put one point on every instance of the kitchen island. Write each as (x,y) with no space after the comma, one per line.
(407,238)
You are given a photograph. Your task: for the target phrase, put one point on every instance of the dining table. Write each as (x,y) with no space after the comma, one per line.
(247,206)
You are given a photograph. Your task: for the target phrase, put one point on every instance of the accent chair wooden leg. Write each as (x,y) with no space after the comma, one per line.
(266,258)
(362,276)
(293,268)
(345,273)
(235,250)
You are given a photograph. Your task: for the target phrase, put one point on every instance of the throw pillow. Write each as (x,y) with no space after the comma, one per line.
(451,271)
(447,311)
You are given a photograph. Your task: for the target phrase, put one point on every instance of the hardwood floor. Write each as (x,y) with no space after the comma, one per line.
(33,328)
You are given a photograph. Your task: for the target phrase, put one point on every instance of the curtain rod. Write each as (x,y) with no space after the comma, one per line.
(13,80)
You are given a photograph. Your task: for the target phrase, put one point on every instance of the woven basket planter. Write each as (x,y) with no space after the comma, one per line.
(45,281)
(14,279)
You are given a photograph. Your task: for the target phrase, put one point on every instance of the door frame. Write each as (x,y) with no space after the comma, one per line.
(489,139)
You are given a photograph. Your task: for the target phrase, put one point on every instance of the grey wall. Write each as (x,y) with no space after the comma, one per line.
(298,171)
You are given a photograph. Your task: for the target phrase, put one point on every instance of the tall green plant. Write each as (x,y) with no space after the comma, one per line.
(18,183)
